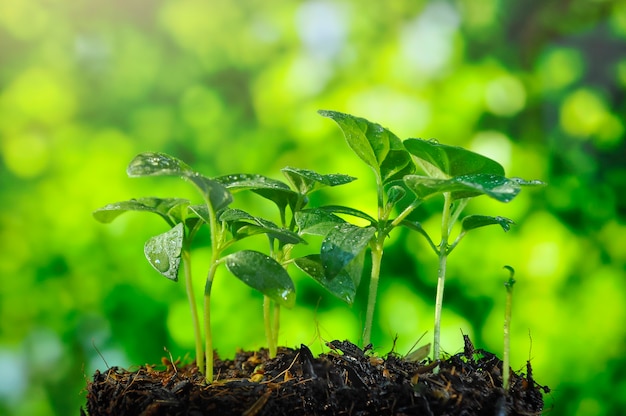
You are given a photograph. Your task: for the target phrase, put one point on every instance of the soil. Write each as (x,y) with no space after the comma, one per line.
(345,381)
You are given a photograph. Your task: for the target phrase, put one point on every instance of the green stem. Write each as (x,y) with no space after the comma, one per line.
(405,213)
(441,277)
(216,240)
(276,327)
(507,331)
(186,255)
(377,255)
(267,306)
(441,272)
(207,321)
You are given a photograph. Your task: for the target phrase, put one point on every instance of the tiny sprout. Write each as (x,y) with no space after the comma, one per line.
(507,326)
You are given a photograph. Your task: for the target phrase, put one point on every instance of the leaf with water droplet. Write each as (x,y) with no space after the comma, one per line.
(307,181)
(264,274)
(444,161)
(495,186)
(476,221)
(398,161)
(342,244)
(369,141)
(160,206)
(465,186)
(272,189)
(340,209)
(212,191)
(524,182)
(243,224)
(164,250)
(341,286)
(157,164)
(316,221)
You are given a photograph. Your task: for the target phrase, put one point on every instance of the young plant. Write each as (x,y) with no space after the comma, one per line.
(292,198)
(343,250)
(506,367)
(457,175)
(164,252)
(452,172)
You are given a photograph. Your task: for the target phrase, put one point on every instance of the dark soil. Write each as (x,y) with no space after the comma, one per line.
(345,381)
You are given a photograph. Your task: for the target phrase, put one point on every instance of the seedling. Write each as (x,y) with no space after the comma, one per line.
(295,197)
(506,367)
(449,171)
(165,250)
(384,153)
(264,273)
(406,174)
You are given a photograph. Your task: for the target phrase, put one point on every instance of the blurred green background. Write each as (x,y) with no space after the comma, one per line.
(234,87)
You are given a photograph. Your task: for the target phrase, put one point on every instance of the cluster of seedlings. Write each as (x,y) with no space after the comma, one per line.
(407,173)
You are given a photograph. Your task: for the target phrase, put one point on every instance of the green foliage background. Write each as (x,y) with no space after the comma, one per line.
(234,87)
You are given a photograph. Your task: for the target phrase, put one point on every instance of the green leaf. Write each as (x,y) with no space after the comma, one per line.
(307,181)
(161,164)
(465,186)
(180,212)
(341,286)
(476,221)
(316,221)
(398,162)
(157,164)
(272,189)
(159,206)
(342,244)
(395,193)
(264,274)
(201,211)
(243,225)
(212,191)
(524,182)
(355,268)
(443,161)
(339,209)
(164,250)
(245,181)
(369,141)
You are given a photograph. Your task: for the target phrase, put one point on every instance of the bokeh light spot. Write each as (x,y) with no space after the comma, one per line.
(40,95)
(427,41)
(494,145)
(505,96)
(584,114)
(23,19)
(26,155)
(559,68)
(322,28)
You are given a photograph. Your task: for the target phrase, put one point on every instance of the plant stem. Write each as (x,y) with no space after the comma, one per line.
(186,255)
(276,326)
(216,240)
(441,272)
(405,213)
(507,334)
(271,344)
(377,255)
(441,277)
(208,337)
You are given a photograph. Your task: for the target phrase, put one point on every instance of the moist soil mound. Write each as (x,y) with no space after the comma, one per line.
(345,381)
